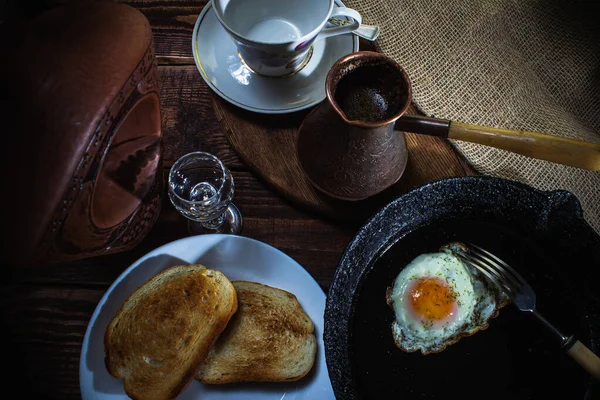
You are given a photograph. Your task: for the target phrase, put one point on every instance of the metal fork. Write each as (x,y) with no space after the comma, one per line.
(523,297)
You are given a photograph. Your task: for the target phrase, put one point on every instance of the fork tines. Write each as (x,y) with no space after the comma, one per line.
(509,280)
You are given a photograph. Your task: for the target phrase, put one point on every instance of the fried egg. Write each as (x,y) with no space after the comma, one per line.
(437,300)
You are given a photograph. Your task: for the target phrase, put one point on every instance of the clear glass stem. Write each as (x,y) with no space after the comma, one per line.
(228,222)
(235,218)
(214,223)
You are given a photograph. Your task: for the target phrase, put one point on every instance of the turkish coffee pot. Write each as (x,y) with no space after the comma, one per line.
(352,146)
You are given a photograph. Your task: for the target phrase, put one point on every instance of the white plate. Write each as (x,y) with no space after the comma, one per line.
(217,60)
(239,258)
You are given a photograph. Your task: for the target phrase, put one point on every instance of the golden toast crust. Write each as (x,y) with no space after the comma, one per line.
(165,328)
(269,339)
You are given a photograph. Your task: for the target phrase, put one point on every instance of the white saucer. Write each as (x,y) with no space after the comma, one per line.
(217,60)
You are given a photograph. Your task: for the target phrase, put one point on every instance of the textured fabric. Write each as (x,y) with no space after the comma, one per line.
(517,64)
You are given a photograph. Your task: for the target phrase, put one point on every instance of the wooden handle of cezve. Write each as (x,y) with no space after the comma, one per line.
(575,153)
(584,357)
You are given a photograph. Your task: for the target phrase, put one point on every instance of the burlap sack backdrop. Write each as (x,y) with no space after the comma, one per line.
(530,65)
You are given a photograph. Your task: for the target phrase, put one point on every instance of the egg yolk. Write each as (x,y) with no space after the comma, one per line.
(432,299)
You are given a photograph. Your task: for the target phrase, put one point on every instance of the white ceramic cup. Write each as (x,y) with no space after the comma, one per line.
(274,37)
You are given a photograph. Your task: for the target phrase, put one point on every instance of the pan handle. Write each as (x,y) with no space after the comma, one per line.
(572,152)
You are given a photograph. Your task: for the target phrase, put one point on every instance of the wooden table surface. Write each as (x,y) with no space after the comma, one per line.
(46,309)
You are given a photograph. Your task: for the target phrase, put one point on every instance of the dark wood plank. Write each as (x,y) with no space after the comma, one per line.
(172,26)
(44,329)
(172,23)
(188,121)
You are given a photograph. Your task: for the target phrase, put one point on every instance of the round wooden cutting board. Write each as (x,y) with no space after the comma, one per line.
(267,143)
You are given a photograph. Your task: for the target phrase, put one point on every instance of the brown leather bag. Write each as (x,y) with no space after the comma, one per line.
(82,129)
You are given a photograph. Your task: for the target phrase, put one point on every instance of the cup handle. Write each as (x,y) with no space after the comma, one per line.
(347,28)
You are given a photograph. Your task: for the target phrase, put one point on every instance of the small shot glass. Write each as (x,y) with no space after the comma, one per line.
(201,188)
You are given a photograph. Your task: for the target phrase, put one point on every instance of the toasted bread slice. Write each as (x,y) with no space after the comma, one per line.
(165,328)
(269,339)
